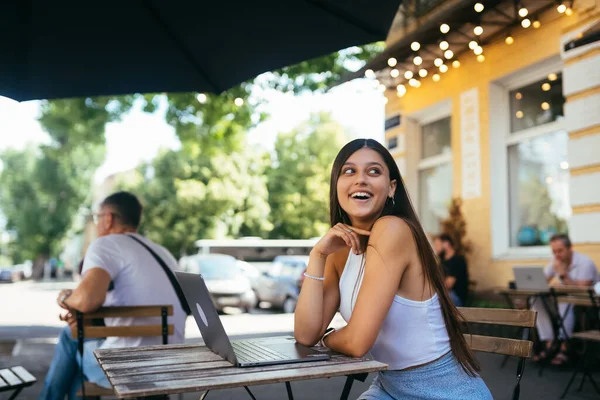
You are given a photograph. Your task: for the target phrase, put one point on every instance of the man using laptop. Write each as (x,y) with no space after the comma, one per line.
(118,270)
(567,267)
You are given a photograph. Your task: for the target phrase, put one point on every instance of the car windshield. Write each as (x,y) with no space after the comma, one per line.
(214,268)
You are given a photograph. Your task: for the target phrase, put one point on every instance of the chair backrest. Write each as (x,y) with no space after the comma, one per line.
(89,330)
(500,345)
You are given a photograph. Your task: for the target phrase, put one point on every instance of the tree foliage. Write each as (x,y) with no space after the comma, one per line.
(298,180)
(214,186)
(41,190)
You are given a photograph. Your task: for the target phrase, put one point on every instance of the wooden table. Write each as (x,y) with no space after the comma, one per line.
(172,369)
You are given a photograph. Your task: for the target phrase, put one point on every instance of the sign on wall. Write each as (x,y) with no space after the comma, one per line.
(469,144)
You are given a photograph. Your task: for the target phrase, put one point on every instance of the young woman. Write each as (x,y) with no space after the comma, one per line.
(377,267)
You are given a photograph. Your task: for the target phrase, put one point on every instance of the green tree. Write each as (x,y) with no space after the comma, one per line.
(298,180)
(41,190)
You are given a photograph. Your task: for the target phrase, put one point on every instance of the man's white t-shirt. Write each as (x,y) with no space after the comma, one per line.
(582,268)
(138,280)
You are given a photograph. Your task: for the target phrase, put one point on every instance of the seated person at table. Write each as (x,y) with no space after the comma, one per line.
(117,271)
(455,267)
(377,267)
(567,267)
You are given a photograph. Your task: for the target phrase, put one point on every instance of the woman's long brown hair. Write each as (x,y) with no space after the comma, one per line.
(402,207)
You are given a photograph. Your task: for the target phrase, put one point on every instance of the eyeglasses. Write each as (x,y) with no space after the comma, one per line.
(97,216)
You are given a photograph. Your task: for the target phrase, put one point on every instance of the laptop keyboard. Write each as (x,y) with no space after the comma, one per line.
(254,352)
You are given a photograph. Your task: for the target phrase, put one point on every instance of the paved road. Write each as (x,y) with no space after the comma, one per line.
(35,306)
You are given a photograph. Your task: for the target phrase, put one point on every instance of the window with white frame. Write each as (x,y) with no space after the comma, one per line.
(435,173)
(536,151)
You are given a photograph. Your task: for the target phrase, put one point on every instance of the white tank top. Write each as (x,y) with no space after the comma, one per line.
(412,333)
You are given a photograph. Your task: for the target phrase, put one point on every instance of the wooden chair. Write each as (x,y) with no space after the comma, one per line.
(88,328)
(15,379)
(522,348)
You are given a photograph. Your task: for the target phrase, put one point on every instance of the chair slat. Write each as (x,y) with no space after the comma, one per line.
(576,300)
(524,318)
(129,311)
(587,335)
(122,331)
(498,345)
(10,378)
(23,374)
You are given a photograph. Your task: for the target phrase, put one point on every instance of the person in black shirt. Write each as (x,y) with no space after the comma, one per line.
(455,267)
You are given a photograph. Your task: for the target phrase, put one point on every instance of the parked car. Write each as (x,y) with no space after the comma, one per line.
(280,284)
(225,280)
(9,274)
(250,271)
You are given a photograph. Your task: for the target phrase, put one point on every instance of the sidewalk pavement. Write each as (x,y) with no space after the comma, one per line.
(34,348)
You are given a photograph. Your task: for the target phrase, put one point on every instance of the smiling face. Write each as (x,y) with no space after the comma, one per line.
(364,186)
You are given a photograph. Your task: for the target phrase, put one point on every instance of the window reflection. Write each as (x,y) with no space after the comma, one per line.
(539,189)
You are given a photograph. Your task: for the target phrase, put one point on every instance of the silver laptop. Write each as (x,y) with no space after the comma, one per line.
(530,278)
(242,353)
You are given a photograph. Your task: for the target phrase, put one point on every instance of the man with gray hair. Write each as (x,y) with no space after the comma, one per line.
(567,267)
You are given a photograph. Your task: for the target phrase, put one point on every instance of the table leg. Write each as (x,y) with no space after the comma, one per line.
(349,381)
(15,393)
(288,388)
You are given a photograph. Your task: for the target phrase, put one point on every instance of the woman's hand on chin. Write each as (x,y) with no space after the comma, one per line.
(338,237)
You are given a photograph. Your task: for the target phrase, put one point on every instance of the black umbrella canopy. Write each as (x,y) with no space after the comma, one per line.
(60,49)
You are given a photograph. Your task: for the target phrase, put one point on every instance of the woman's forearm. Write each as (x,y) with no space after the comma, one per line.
(308,317)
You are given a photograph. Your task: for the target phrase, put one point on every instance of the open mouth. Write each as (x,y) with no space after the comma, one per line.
(361,195)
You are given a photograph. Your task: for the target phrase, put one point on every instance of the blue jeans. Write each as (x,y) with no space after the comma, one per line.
(455,299)
(440,380)
(64,377)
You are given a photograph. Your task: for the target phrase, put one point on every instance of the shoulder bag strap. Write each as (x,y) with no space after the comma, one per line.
(170,275)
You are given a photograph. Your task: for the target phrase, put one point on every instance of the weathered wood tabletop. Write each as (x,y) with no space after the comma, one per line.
(171,369)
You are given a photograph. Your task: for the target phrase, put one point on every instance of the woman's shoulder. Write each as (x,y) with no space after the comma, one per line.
(390,223)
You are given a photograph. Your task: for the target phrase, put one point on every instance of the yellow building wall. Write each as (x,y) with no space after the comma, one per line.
(530,47)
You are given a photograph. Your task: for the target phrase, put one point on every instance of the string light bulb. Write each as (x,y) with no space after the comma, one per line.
(569,11)
(481,58)
(473,44)
(455,64)
(401,89)
(422,72)
(392,62)
(523,12)
(238,101)
(448,54)
(201,97)
(408,75)
(552,77)
(415,46)
(369,74)
(509,39)
(394,73)
(478,7)
(417,60)
(437,62)
(478,30)
(536,24)
(435,77)
(526,23)
(444,45)
(413,82)
(444,28)
(443,68)
(561,8)
(478,50)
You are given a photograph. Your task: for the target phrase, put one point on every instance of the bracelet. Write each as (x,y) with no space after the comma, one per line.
(318,278)
(327,332)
